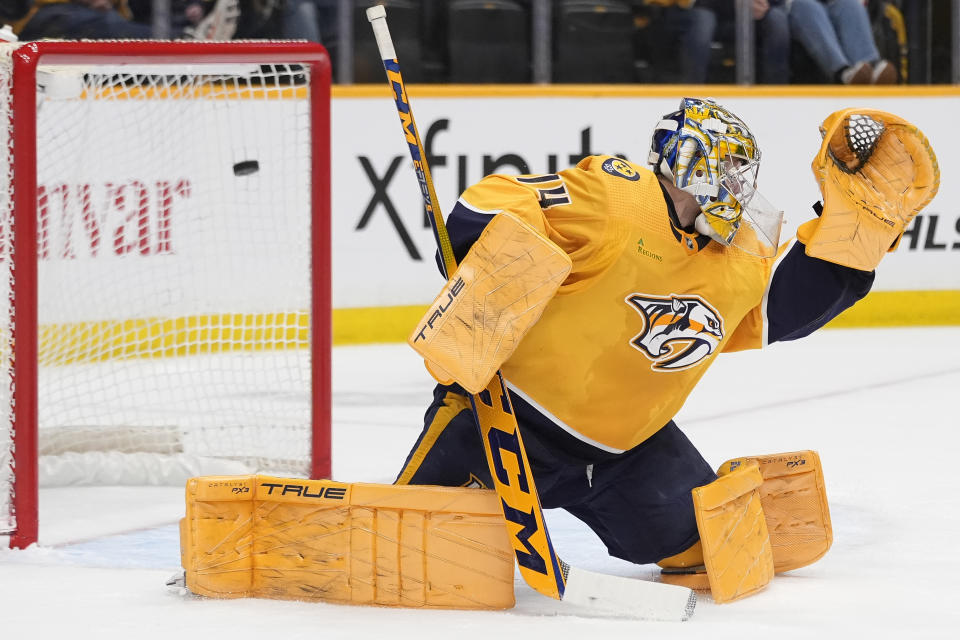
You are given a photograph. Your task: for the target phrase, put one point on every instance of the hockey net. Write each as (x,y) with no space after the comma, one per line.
(177,287)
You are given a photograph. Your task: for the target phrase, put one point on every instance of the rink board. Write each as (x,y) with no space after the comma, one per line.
(384,270)
(384,273)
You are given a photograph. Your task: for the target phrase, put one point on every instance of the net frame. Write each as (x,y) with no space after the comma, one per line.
(20,209)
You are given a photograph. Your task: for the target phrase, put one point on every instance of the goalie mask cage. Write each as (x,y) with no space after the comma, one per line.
(164,245)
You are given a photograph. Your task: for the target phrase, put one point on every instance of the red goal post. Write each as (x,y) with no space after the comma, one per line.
(165,238)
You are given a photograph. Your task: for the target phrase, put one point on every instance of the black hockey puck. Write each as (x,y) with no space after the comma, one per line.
(246,167)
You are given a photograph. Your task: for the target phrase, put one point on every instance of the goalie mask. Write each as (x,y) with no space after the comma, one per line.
(710,153)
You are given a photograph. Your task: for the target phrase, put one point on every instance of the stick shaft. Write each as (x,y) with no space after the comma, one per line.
(378,20)
(502,443)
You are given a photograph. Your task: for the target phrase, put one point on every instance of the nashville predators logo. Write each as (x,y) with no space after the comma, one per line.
(620,168)
(679,331)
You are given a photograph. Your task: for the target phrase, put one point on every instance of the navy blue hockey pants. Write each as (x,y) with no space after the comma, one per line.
(637,502)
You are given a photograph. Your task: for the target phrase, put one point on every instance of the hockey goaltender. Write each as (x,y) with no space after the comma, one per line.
(602,293)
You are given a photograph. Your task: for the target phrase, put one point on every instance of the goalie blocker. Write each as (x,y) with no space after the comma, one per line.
(496,294)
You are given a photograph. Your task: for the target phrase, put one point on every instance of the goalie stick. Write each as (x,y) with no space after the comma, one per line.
(581,591)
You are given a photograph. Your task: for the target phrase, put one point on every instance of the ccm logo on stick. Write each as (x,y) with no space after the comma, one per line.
(330,493)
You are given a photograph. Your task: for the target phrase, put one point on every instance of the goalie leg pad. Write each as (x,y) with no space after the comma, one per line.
(686,569)
(794,501)
(388,545)
(733,534)
(496,295)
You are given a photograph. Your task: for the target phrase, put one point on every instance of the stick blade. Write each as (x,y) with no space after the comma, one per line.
(590,594)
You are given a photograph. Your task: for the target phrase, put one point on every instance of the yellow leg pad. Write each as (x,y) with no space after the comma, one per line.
(692,578)
(794,501)
(733,533)
(686,569)
(497,294)
(692,557)
(291,539)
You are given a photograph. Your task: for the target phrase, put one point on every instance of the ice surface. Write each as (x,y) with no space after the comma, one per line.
(879,406)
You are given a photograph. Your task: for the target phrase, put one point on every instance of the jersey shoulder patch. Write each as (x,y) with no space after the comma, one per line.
(620,168)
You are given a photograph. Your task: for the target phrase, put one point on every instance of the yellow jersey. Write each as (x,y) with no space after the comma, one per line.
(645,310)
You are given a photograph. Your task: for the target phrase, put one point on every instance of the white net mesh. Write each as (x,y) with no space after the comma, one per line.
(174,270)
(7,519)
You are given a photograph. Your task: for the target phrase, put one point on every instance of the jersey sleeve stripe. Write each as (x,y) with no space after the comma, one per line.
(488,212)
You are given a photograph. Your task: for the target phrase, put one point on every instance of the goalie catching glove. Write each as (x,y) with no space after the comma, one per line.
(876,171)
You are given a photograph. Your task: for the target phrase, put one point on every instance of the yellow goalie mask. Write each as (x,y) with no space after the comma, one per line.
(710,153)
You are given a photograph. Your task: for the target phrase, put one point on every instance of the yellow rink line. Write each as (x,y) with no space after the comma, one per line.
(221,333)
(103,340)
(878,309)
(902,309)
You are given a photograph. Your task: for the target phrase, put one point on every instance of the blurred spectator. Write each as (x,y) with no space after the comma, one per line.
(113,19)
(690,26)
(11,10)
(185,15)
(314,20)
(94,19)
(259,19)
(593,40)
(889,28)
(697,25)
(773,41)
(838,36)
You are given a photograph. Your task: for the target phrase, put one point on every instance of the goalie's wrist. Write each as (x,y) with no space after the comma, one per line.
(849,238)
